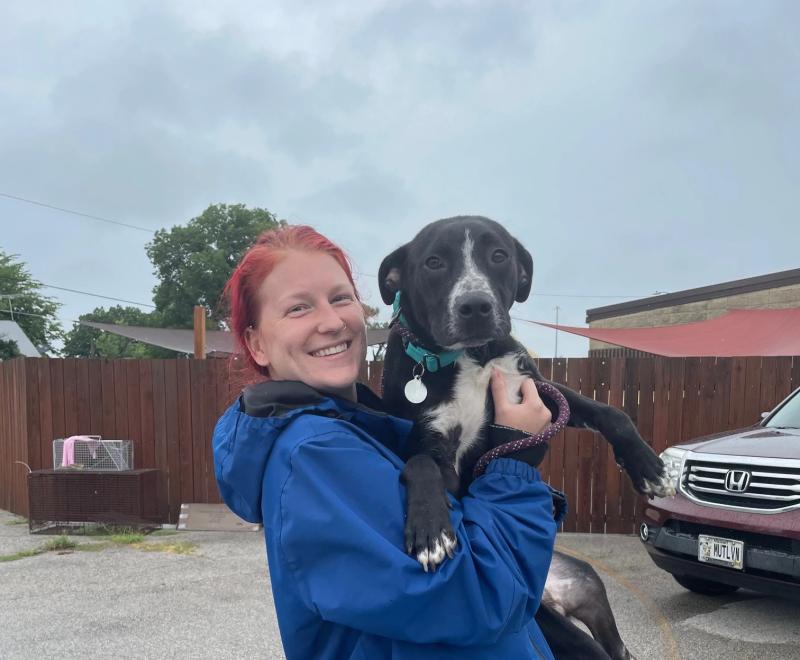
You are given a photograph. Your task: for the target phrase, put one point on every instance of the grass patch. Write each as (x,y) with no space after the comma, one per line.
(176,548)
(92,547)
(22,554)
(59,543)
(126,539)
(164,532)
(54,545)
(17,521)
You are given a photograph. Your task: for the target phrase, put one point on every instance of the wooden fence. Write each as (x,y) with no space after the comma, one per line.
(168,408)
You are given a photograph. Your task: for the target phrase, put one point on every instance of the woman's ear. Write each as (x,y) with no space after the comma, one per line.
(256,347)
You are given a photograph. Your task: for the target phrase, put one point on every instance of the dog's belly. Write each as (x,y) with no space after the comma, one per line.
(467,409)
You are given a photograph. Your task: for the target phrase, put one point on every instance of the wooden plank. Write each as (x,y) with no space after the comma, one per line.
(33,438)
(184,428)
(154,429)
(165,436)
(197,375)
(769,397)
(783,378)
(213,409)
(109,404)
(691,399)
(556,465)
(56,369)
(736,414)
(721,403)
(613,473)
(632,501)
(601,375)
(71,394)
(145,407)
(571,453)
(752,401)
(170,396)
(120,383)
(585,442)
(135,412)
(94,387)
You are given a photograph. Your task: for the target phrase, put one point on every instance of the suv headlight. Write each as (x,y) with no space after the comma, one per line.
(673,460)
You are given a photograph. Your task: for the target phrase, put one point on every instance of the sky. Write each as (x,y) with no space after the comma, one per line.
(632,147)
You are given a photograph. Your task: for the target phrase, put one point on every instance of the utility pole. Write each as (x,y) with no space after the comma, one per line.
(555,352)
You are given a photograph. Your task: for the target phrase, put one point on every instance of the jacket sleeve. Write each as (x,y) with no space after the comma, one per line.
(341,533)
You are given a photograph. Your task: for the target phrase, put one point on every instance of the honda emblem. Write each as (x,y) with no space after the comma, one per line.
(737,481)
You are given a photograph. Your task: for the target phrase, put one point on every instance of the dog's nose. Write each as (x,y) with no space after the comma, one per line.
(474,305)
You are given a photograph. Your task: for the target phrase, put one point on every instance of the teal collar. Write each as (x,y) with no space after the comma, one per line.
(430,361)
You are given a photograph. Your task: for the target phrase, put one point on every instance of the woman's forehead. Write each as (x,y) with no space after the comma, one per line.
(301,273)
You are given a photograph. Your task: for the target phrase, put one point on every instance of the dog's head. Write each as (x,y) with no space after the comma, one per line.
(459,278)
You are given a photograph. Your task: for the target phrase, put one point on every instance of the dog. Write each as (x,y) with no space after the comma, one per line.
(453,286)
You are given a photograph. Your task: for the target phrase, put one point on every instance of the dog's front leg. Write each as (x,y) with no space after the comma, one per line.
(632,453)
(429,534)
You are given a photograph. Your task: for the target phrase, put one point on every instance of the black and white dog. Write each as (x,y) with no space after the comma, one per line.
(457,280)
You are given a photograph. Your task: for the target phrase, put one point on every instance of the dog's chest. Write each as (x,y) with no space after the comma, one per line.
(467,409)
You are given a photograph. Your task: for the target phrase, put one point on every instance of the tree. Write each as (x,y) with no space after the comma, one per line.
(83,341)
(8,349)
(21,300)
(194,262)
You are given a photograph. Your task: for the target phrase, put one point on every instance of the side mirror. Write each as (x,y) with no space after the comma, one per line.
(764,415)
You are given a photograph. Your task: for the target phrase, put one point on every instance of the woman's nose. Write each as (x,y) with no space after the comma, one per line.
(330,321)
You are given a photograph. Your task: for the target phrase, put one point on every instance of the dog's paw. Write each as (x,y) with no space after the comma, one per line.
(663,486)
(443,546)
(429,535)
(646,470)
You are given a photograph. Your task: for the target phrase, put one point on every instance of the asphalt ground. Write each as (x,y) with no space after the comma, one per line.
(216,602)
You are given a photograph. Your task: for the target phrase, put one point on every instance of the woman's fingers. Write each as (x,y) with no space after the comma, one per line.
(499,393)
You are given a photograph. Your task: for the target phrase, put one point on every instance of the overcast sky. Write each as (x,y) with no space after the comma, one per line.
(632,147)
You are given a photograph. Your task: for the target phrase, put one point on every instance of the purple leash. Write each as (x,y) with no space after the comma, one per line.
(532,440)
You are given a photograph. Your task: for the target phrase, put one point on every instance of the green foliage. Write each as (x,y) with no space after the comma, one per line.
(32,310)
(194,262)
(8,349)
(370,313)
(83,341)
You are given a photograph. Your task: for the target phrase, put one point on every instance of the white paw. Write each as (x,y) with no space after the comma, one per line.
(664,487)
(443,547)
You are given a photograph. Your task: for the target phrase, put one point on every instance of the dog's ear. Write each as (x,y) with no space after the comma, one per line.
(524,272)
(390,274)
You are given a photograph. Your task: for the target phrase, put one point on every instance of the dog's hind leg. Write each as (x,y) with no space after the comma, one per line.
(575,589)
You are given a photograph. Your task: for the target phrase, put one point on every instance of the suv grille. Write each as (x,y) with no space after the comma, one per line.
(769,488)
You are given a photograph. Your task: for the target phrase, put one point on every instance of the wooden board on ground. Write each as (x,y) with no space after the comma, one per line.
(212,518)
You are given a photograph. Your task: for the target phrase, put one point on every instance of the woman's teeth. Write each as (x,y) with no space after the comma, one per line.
(333,350)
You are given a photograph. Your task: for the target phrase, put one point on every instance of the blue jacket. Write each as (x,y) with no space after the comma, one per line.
(323,476)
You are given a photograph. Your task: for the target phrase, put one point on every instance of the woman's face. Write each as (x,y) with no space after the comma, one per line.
(310,326)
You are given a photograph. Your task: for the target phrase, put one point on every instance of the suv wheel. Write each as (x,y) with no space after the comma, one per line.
(706,587)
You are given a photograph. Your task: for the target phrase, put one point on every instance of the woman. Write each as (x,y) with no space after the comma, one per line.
(308,453)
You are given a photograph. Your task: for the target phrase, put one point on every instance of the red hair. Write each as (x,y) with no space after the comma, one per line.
(241,291)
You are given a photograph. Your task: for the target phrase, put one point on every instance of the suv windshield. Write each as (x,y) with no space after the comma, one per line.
(788,416)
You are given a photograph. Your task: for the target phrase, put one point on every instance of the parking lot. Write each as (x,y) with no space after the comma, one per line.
(215,602)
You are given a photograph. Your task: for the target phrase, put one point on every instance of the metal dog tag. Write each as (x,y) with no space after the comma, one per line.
(415,390)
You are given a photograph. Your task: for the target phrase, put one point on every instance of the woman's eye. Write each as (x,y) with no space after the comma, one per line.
(343,298)
(499,256)
(434,263)
(296,309)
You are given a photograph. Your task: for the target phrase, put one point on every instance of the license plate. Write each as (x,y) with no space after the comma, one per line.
(724,552)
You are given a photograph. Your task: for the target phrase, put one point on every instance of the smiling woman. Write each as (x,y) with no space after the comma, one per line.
(310,454)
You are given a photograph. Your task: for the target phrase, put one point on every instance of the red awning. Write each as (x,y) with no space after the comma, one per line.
(740,332)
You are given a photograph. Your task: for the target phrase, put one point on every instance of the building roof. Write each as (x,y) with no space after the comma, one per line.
(218,342)
(740,332)
(735,287)
(11,330)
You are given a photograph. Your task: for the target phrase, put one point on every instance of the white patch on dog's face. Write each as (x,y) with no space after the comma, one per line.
(471,280)
(468,407)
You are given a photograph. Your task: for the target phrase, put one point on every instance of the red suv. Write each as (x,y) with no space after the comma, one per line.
(735,520)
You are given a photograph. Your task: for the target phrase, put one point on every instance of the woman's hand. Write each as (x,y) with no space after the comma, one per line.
(530,415)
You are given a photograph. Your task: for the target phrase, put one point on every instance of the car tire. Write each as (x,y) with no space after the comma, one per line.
(705,587)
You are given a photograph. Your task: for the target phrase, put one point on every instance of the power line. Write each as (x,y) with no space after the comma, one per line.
(97,295)
(79,213)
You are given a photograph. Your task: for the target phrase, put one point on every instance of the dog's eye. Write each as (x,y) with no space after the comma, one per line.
(434,263)
(499,256)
